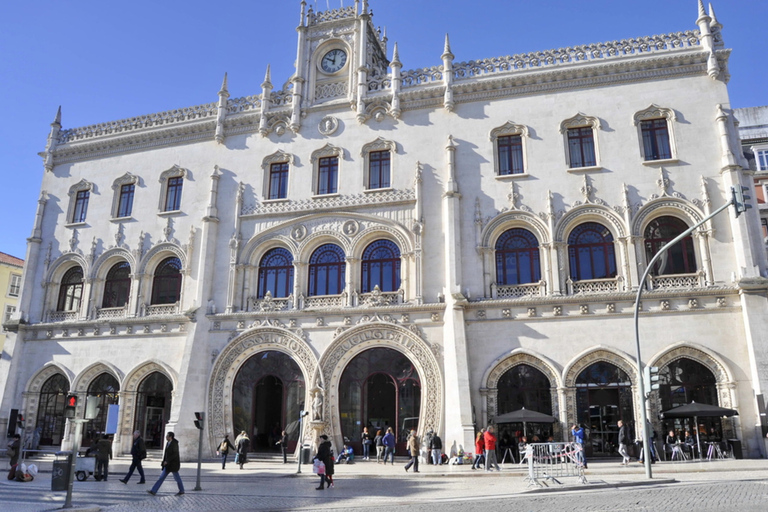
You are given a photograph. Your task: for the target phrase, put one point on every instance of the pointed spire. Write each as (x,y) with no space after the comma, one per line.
(702,12)
(224,90)
(267,78)
(447,44)
(57,119)
(714,21)
(395,56)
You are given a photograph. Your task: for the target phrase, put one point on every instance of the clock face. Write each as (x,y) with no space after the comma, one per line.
(333,61)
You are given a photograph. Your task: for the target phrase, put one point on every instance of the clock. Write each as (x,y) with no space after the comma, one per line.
(333,61)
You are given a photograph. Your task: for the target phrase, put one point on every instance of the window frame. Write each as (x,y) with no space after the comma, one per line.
(263,276)
(279,157)
(533,252)
(75,190)
(510,129)
(165,177)
(581,121)
(10,309)
(761,153)
(686,247)
(118,283)
(367,280)
(377,146)
(314,267)
(65,296)
(653,113)
(327,151)
(156,278)
(610,253)
(117,188)
(14,281)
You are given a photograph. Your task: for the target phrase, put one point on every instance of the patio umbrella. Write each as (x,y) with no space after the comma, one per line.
(696,411)
(524,416)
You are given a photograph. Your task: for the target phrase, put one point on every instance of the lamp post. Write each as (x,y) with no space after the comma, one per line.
(302,414)
(641,382)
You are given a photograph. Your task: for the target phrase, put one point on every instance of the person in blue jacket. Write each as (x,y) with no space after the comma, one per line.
(389,445)
(577,431)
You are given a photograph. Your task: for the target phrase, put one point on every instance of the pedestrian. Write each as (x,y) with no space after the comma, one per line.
(243,444)
(283,442)
(389,445)
(224,448)
(138,454)
(325,455)
(378,441)
(436,448)
(365,437)
(479,450)
(14,449)
(413,448)
(624,441)
(171,464)
(651,444)
(577,431)
(490,450)
(103,456)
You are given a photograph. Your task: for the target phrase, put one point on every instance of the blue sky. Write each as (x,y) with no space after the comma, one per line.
(106,60)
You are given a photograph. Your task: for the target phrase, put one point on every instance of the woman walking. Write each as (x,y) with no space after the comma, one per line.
(379,442)
(224,448)
(367,442)
(479,449)
(325,455)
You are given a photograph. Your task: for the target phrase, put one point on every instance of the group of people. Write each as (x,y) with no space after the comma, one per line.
(485,450)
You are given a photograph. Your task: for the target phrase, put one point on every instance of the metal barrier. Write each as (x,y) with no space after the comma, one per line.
(554,461)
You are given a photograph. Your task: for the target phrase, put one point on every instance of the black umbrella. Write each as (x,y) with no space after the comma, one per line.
(695,411)
(525,416)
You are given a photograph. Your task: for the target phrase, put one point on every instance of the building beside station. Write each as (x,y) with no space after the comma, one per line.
(419,248)
(11,269)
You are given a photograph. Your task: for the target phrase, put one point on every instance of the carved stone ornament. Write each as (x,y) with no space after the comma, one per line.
(298,232)
(328,125)
(351,228)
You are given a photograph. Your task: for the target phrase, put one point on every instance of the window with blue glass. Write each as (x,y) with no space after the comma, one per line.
(517,258)
(655,139)
(680,258)
(166,285)
(125,205)
(591,252)
(328,175)
(581,147)
(510,148)
(276,273)
(378,169)
(117,286)
(381,266)
(71,290)
(278,180)
(81,206)
(327,269)
(173,194)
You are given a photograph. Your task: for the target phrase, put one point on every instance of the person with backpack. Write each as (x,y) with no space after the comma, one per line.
(224,448)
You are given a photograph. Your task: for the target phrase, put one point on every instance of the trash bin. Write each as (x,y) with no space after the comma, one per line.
(305,454)
(736,448)
(60,473)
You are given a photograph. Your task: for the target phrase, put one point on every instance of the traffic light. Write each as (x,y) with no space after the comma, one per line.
(740,199)
(70,406)
(199,418)
(651,379)
(92,406)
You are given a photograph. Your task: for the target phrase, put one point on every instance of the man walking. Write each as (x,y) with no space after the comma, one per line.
(436,448)
(171,464)
(283,442)
(624,441)
(490,450)
(413,447)
(103,456)
(389,445)
(138,454)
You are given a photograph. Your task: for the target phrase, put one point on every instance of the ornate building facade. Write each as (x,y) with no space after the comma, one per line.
(424,248)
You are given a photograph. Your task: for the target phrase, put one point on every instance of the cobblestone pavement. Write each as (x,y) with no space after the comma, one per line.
(721,485)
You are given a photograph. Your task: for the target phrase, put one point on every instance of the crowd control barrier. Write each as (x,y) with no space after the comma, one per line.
(554,461)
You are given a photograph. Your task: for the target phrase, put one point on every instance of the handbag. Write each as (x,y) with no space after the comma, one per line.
(318,467)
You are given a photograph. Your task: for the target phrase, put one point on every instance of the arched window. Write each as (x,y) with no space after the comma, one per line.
(524,386)
(276,273)
(166,286)
(117,286)
(680,258)
(517,258)
(71,290)
(684,381)
(381,266)
(106,388)
(327,270)
(50,412)
(590,248)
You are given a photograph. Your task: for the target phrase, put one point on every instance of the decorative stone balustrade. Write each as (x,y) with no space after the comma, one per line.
(325,301)
(109,313)
(162,309)
(676,281)
(377,298)
(268,303)
(519,290)
(62,316)
(589,286)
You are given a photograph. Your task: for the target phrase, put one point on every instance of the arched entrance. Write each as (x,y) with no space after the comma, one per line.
(106,387)
(524,386)
(153,408)
(603,397)
(49,428)
(267,396)
(684,381)
(379,388)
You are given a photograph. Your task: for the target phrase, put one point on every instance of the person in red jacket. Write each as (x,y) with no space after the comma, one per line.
(490,450)
(479,450)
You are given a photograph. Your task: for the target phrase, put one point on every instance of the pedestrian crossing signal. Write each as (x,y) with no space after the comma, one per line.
(199,417)
(70,406)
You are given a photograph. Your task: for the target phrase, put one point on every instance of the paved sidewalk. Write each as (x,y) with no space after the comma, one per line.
(271,485)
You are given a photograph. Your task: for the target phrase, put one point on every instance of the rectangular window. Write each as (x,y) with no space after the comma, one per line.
(581,147)
(125,206)
(328,175)
(9,311)
(764,223)
(378,172)
(510,155)
(655,139)
(761,159)
(278,181)
(173,194)
(15,286)
(81,206)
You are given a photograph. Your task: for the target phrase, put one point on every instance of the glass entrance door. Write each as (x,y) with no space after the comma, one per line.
(153,426)
(604,415)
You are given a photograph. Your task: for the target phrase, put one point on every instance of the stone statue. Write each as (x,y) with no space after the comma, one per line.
(317,406)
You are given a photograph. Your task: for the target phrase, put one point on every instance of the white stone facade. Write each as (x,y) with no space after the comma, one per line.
(445,207)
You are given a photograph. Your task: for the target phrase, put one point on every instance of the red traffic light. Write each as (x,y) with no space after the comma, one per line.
(71,401)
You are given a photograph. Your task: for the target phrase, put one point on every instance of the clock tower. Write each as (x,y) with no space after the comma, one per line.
(339,51)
